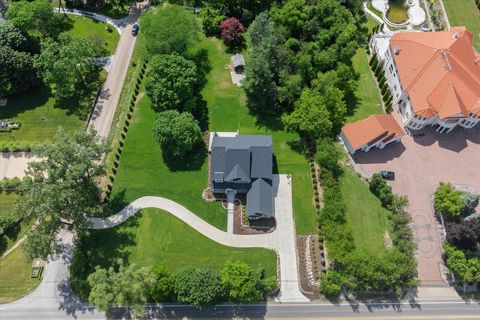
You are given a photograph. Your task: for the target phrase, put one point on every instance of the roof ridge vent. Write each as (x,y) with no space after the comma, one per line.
(448,65)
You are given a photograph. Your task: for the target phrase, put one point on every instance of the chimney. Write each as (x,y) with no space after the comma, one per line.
(396,50)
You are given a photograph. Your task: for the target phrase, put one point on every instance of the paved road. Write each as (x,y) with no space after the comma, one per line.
(431,311)
(104,111)
(14,164)
(282,240)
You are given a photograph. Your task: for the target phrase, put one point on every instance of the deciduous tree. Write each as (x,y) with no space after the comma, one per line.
(198,286)
(241,283)
(328,155)
(17,72)
(310,118)
(465,235)
(231,30)
(130,286)
(177,133)
(171,83)
(211,20)
(162,290)
(168,29)
(37,15)
(67,65)
(448,201)
(61,187)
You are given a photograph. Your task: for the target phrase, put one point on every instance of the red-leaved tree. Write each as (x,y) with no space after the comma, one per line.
(232,29)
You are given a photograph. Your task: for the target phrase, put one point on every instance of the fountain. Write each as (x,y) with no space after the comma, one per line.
(397,11)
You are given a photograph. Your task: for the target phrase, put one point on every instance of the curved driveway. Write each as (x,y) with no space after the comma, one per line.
(282,240)
(54,299)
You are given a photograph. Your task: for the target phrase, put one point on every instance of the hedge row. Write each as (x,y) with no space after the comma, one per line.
(10,184)
(18,146)
(379,73)
(126,125)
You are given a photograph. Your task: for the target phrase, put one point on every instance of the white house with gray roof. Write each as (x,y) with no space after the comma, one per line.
(243,164)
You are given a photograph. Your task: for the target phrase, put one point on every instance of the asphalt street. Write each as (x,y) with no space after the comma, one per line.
(427,310)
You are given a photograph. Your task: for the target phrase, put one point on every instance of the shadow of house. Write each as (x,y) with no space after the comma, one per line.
(243,164)
(380,156)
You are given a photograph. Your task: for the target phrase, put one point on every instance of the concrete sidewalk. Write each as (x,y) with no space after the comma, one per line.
(282,240)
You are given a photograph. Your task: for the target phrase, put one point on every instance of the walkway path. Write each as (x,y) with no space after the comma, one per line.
(53,297)
(119,24)
(282,240)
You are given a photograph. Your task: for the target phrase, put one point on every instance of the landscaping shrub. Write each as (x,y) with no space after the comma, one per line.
(10,184)
(465,266)
(448,201)
(231,30)
(373,61)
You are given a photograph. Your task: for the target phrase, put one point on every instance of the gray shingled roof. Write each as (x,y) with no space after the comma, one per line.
(260,199)
(244,163)
(238,60)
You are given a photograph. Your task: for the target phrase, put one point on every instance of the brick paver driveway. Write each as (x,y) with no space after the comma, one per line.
(420,164)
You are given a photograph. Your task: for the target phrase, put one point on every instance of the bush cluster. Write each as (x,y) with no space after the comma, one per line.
(18,146)
(353,269)
(199,286)
(10,184)
(379,73)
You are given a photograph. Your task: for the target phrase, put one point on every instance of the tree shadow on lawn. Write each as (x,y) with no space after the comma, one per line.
(105,248)
(12,234)
(116,203)
(192,161)
(269,121)
(36,97)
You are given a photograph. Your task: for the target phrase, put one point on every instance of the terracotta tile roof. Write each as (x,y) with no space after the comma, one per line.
(440,71)
(372,129)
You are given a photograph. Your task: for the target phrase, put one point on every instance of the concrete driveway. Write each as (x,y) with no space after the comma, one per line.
(420,164)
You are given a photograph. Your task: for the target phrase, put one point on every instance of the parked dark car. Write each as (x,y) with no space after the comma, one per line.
(387,175)
(135,29)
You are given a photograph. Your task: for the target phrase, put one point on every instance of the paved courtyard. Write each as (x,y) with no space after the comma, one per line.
(420,164)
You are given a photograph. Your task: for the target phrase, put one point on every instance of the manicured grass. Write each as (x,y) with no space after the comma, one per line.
(368,96)
(153,236)
(39,117)
(37,111)
(228,112)
(92,29)
(364,213)
(7,202)
(464,13)
(143,172)
(15,280)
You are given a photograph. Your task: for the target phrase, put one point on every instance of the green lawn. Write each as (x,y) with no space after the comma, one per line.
(464,13)
(154,236)
(95,30)
(39,117)
(365,215)
(37,111)
(14,287)
(227,112)
(142,170)
(369,99)
(7,202)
